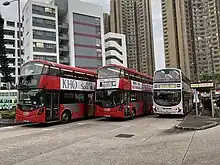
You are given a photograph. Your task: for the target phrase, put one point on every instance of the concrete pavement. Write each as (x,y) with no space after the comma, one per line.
(86,142)
(198,122)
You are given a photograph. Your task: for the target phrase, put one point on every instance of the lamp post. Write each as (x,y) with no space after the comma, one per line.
(7,3)
(212,62)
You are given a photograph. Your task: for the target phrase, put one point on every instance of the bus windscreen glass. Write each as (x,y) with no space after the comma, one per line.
(167,97)
(109,72)
(167,75)
(31,68)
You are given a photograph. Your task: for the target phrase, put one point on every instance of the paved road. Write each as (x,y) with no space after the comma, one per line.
(93,142)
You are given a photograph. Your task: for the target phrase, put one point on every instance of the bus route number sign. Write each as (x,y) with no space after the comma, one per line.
(167,86)
(108,84)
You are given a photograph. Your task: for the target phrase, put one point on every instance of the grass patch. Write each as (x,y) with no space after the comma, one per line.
(7,114)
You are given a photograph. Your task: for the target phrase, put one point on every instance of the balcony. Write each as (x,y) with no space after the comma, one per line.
(10,55)
(63,25)
(63,37)
(64,48)
(64,60)
(9,46)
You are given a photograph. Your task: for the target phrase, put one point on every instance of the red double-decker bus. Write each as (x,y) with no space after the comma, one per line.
(123,93)
(50,92)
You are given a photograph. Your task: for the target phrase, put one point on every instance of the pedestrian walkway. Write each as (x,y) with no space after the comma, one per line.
(203,121)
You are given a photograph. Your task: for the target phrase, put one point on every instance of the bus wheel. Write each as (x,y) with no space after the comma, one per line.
(133,113)
(66,117)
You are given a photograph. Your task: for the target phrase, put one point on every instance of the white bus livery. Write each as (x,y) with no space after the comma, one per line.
(172,93)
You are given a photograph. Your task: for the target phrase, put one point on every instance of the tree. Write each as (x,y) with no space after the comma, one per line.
(5,70)
(206,78)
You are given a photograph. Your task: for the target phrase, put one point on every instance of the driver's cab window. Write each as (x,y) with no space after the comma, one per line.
(133,96)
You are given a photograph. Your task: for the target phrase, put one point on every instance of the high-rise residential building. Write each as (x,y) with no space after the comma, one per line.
(134,19)
(11,38)
(178,35)
(106,19)
(40,28)
(68,32)
(206,20)
(115,49)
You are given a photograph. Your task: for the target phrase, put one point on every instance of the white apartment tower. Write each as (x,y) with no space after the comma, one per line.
(70,32)
(40,28)
(115,49)
(11,37)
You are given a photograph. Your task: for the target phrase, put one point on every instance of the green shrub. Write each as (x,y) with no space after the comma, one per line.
(7,114)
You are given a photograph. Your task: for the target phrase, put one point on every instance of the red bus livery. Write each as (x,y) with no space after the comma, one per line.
(51,92)
(122,93)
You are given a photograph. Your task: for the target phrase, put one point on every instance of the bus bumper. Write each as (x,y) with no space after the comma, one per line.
(30,117)
(102,112)
(161,111)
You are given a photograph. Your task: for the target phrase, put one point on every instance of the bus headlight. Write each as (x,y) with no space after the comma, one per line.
(40,111)
(179,109)
(120,108)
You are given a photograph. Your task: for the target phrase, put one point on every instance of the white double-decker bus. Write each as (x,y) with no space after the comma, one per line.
(172,93)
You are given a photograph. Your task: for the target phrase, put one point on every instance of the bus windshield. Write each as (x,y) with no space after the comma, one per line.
(109,98)
(167,75)
(167,97)
(109,72)
(30,98)
(31,68)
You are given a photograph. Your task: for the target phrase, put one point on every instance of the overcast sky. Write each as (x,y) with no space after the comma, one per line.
(10,12)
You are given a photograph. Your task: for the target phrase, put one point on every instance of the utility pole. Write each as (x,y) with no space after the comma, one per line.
(213,80)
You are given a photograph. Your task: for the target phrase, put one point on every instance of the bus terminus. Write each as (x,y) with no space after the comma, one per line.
(122,93)
(50,91)
(171,92)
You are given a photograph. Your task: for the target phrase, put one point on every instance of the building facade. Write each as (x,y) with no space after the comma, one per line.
(206,20)
(11,38)
(85,31)
(106,19)
(115,49)
(134,19)
(40,28)
(178,35)
(76,33)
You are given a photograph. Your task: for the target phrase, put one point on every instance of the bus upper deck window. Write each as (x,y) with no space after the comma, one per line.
(45,69)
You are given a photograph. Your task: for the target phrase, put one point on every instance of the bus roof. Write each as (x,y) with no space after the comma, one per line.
(61,66)
(167,69)
(129,70)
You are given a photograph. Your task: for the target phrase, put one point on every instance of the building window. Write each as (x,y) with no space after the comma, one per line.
(42,10)
(44,35)
(9,23)
(44,47)
(45,23)
(47,58)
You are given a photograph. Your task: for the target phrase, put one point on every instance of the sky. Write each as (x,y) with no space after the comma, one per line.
(10,12)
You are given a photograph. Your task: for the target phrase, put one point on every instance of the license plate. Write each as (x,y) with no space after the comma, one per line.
(107,116)
(107,109)
(26,121)
(26,113)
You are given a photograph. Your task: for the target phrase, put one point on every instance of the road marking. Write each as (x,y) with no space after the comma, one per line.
(48,129)
(145,139)
(81,123)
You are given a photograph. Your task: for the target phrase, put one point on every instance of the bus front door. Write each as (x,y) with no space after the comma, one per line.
(52,106)
(89,106)
(126,103)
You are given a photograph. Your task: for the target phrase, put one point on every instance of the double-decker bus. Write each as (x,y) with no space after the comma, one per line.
(122,93)
(51,92)
(172,93)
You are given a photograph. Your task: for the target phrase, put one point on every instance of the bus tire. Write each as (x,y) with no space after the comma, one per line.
(66,116)
(133,113)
